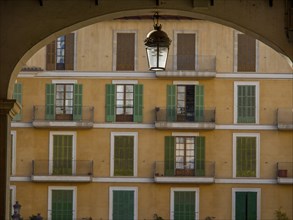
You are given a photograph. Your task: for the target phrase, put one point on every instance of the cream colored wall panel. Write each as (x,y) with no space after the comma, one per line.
(38,59)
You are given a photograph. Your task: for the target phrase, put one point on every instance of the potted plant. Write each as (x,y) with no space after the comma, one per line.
(279,215)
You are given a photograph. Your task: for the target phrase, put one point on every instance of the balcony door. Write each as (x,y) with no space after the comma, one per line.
(185,102)
(64,102)
(62,155)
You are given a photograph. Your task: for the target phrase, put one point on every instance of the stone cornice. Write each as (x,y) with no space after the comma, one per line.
(11,107)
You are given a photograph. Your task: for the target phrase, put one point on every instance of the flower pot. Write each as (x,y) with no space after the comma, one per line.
(282,173)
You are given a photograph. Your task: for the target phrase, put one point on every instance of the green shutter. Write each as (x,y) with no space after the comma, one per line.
(110,103)
(123,205)
(199,103)
(184,205)
(246,206)
(240,206)
(62,205)
(251,205)
(169,156)
(62,155)
(200,156)
(123,155)
(50,102)
(171,103)
(246,156)
(77,102)
(17,95)
(138,103)
(246,104)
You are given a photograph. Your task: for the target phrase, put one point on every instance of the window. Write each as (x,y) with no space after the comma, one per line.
(185,103)
(63,101)
(62,153)
(246,155)
(246,98)
(12,198)
(125,51)
(245,204)
(62,203)
(17,95)
(124,154)
(124,102)
(186,51)
(245,53)
(13,153)
(184,156)
(60,53)
(184,203)
(123,203)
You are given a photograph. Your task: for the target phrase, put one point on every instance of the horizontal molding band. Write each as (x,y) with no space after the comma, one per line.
(151,180)
(148,75)
(152,126)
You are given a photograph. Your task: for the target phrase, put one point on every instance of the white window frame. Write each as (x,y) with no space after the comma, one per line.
(246,83)
(111,189)
(13,152)
(73,188)
(257,136)
(135,149)
(176,43)
(13,197)
(51,141)
(196,190)
(258,202)
(235,66)
(115,47)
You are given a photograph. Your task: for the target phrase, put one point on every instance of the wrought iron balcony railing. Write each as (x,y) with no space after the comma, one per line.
(285,118)
(188,169)
(184,115)
(62,168)
(285,169)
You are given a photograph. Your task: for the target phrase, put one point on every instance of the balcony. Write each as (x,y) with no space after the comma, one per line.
(285,118)
(84,118)
(190,67)
(62,170)
(170,119)
(203,172)
(285,172)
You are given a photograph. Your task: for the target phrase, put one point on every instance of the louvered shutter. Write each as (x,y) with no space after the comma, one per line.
(138,103)
(17,95)
(186,52)
(50,102)
(246,54)
(62,205)
(77,102)
(184,205)
(246,104)
(51,56)
(69,51)
(125,51)
(171,103)
(123,205)
(169,156)
(200,156)
(199,103)
(110,103)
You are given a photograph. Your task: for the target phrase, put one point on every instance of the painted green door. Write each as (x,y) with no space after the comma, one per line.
(62,205)
(246,206)
(184,205)
(123,205)
(123,155)
(62,155)
(50,102)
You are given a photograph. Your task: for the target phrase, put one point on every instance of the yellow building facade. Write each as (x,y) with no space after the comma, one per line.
(99,136)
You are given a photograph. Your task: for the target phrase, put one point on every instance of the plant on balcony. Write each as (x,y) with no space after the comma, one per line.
(279,215)
(36,217)
(157,217)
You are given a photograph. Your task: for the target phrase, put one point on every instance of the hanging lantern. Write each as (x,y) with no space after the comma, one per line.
(157,46)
